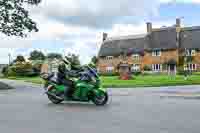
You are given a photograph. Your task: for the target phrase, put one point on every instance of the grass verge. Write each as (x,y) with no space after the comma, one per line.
(137,81)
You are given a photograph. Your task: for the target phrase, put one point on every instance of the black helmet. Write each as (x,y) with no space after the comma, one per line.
(62,68)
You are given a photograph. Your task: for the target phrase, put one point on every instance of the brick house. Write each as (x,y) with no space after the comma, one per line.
(160,50)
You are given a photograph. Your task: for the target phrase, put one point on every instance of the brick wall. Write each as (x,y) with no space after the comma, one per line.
(196,58)
(166,55)
(103,63)
(147,59)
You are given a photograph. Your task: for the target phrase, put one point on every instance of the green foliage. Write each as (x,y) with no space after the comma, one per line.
(37,68)
(19,58)
(5,71)
(15,20)
(93,62)
(181,71)
(21,69)
(188,59)
(94,59)
(54,55)
(109,74)
(32,2)
(165,66)
(136,73)
(36,55)
(147,68)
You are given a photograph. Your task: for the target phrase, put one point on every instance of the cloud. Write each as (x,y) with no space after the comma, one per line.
(180,1)
(132,29)
(77,25)
(96,13)
(97,7)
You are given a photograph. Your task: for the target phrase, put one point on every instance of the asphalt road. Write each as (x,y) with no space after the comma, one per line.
(27,110)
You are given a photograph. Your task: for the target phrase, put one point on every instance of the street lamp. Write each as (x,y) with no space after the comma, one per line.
(9,58)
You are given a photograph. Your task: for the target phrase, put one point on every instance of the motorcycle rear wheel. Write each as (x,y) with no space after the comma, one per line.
(54,100)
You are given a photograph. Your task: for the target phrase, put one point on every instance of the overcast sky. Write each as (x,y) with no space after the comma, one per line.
(77,25)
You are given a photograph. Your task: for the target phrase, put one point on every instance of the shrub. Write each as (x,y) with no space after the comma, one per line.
(22,69)
(147,68)
(136,73)
(37,68)
(181,71)
(5,71)
(109,74)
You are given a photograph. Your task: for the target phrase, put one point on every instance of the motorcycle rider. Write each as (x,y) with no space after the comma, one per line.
(63,76)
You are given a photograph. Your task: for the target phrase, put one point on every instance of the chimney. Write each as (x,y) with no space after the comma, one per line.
(149,27)
(178,22)
(105,35)
(178,30)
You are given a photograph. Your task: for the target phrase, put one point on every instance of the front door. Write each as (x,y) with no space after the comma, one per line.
(172,68)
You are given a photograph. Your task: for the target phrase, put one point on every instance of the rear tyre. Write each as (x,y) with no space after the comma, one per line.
(54,100)
(100,100)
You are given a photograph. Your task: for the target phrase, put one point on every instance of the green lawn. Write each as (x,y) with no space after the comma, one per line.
(150,81)
(138,81)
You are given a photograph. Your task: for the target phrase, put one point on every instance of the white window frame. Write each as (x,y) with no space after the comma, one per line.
(109,69)
(156,52)
(156,67)
(135,68)
(136,56)
(190,52)
(190,67)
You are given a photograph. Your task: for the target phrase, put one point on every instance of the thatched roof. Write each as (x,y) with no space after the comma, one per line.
(164,38)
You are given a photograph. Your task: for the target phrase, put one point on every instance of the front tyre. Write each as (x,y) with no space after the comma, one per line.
(100,100)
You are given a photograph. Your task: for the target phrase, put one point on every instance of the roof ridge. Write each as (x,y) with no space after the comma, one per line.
(126,37)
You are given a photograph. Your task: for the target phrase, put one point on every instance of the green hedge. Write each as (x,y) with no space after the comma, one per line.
(109,74)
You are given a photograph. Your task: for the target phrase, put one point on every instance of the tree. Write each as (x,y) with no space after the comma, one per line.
(14,19)
(54,55)
(20,59)
(36,55)
(94,60)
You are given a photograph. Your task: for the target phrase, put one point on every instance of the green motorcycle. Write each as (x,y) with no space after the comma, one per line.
(86,87)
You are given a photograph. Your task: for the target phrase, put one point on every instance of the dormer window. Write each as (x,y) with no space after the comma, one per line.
(156,52)
(190,52)
(109,57)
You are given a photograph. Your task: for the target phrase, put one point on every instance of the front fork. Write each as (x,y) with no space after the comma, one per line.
(99,91)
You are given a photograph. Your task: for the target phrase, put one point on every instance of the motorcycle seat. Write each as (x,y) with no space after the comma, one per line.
(50,76)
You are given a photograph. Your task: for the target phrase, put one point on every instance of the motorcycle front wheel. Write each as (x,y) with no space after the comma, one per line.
(100,100)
